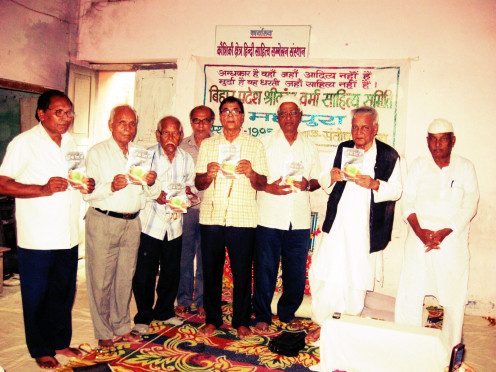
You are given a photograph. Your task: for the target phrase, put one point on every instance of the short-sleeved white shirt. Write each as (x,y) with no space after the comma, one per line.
(48,222)
(279,211)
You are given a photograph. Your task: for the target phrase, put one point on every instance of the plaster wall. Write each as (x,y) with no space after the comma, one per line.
(37,39)
(452,44)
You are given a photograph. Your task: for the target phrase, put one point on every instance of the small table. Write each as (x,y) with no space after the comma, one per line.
(2,250)
(360,344)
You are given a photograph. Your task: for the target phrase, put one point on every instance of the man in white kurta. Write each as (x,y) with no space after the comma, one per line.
(343,268)
(440,199)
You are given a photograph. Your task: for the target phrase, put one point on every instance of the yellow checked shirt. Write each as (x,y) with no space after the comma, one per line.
(222,205)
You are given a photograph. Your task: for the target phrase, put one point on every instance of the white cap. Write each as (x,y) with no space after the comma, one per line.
(289,99)
(440,126)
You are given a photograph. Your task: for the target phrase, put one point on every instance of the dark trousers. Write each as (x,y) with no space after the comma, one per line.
(191,283)
(239,242)
(152,254)
(290,247)
(48,288)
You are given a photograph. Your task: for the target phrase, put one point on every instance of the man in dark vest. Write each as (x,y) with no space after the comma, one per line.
(364,183)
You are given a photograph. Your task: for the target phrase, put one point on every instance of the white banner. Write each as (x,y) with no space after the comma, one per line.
(328,91)
(262,41)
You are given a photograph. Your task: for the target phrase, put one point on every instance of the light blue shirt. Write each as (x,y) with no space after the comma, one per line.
(155,220)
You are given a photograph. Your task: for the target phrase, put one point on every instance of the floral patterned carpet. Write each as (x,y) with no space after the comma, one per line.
(180,348)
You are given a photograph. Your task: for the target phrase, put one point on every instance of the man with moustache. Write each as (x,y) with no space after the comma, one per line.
(162,229)
(284,217)
(228,216)
(439,201)
(47,215)
(358,222)
(191,283)
(113,229)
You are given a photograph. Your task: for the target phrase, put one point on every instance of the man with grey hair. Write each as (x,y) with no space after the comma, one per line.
(440,199)
(283,231)
(162,229)
(113,229)
(358,222)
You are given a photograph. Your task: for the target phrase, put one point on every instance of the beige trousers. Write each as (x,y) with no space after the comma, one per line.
(111,253)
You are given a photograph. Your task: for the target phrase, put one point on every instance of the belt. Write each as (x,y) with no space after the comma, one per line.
(124,216)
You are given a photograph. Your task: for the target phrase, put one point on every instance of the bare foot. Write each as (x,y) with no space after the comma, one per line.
(131,337)
(296,324)
(207,330)
(106,344)
(244,332)
(47,362)
(70,352)
(313,336)
(180,310)
(262,327)
(201,312)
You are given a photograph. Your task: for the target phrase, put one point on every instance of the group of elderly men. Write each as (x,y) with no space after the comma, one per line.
(258,208)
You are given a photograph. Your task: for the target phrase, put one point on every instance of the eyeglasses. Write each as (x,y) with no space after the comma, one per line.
(60,113)
(205,121)
(235,112)
(283,114)
(171,134)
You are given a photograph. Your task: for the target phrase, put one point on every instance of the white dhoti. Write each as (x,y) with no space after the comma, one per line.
(342,267)
(440,198)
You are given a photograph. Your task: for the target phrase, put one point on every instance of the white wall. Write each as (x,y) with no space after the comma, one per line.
(37,40)
(453,77)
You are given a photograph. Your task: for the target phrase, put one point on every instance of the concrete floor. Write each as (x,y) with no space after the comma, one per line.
(479,337)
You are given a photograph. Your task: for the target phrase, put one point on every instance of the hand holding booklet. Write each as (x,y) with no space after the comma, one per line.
(76,170)
(352,162)
(293,171)
(139,163)
(178,201)
(229,156)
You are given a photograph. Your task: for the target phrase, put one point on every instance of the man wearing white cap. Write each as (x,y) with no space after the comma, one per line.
(440,199)
(283,231)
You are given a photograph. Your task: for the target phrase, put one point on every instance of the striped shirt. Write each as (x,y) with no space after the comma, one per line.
(155,221)
(231,202)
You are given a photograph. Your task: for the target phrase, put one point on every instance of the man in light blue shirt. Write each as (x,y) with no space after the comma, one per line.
(161,237)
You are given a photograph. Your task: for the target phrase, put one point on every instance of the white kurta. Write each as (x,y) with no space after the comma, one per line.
(441,198)
(342,267)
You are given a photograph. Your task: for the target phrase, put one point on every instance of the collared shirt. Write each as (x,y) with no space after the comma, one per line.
(48,222)
(442,197)
(279,211)
(231,202)
(105,160)
(189,145)
(155,221)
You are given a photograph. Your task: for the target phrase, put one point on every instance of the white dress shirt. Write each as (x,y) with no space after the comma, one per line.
(105,160)
(48,222)
(279,211)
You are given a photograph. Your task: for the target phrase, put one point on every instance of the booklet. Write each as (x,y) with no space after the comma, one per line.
(139,163)
(229,156)
(176,194)
(293,171)
(352,162)
(76,170)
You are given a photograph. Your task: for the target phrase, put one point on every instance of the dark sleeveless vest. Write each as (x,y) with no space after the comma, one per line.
(381,214)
